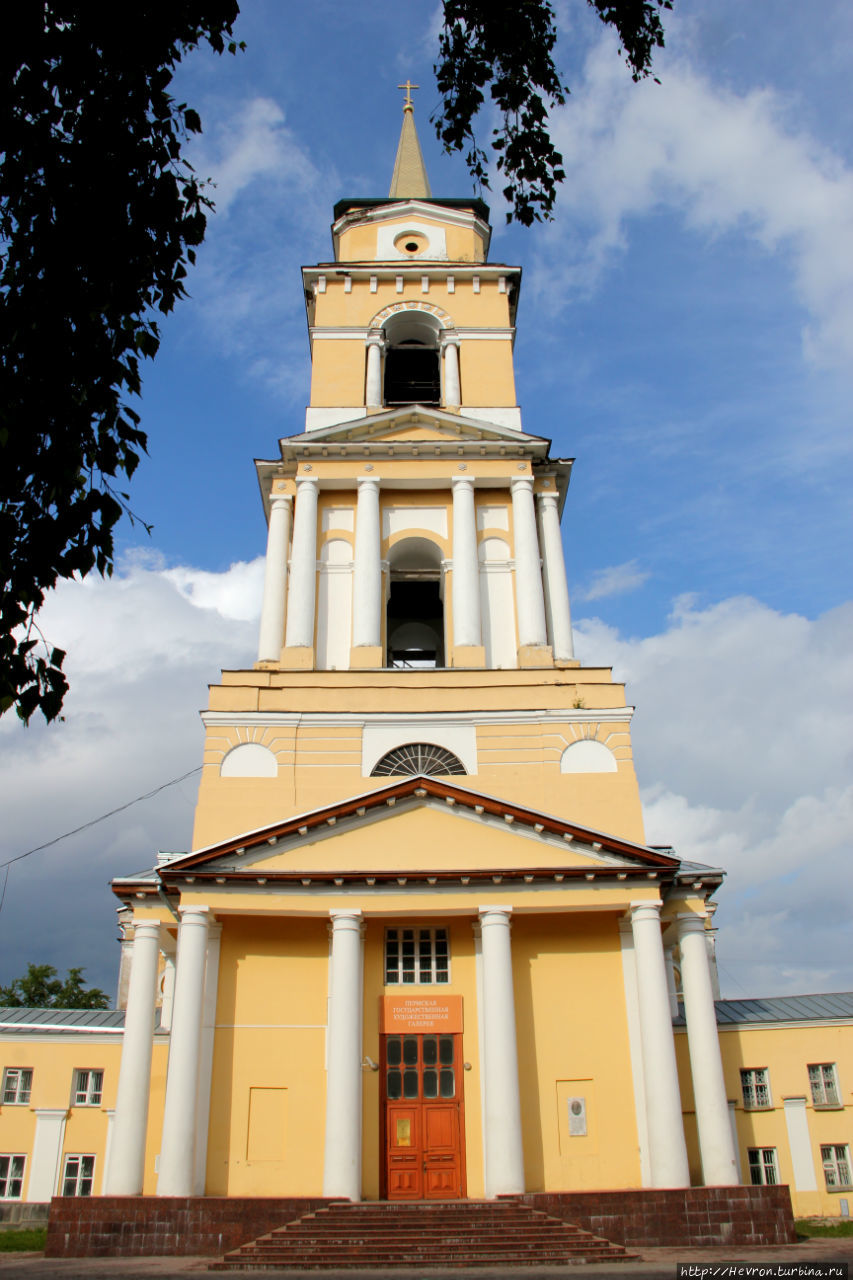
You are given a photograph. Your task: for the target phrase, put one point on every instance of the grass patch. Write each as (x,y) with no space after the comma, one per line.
(806,1227)
(18,1241)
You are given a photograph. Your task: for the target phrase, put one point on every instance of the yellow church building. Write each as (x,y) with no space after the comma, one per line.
(420,949)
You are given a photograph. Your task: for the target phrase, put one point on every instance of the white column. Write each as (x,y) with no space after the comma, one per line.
(466,580)
(529,598)
(556,587)
(452,392)
(342,1159)
(667,1148)
(47,1149)
(303,566)
(177,1150)
(373,389)
(504,1173)
(719,1161)
(205,1067)
(127,1162)
(367,572)
(275,581)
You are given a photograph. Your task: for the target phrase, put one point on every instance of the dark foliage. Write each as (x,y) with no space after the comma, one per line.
(40,988)
(509,46)
(99,217)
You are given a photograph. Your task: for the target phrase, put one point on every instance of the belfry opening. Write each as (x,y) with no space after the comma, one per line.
(415,610)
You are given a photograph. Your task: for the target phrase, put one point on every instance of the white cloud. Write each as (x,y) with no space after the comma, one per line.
(742,743)
(727,162)
(616,580)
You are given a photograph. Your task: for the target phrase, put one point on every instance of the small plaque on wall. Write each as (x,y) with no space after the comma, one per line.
(577,1117)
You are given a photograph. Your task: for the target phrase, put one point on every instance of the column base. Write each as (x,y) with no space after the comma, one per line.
(298,658)
(366,655)
(468,655)
(535,655)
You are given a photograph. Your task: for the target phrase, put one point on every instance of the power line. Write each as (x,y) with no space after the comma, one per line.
(94,822)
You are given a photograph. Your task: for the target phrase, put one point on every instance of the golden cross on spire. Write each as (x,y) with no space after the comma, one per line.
(408,105)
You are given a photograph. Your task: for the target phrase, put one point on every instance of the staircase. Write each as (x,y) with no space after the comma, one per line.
(449,1233)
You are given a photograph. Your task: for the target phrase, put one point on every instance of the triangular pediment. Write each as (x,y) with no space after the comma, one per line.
(429,423)
(422,828)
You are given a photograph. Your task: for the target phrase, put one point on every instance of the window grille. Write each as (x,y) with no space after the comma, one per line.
(78,1175)
(763,1169)
(836,1166)
(88,1088)
(17,1084)
(422,759)
(755,1083)
(823,1082)
(11,1176)
(416,956)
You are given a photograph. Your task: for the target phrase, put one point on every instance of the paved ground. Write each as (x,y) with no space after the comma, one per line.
(652,1264)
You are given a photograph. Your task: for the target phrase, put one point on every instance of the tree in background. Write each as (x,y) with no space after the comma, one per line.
(40,988)
(100,215)
(509,45)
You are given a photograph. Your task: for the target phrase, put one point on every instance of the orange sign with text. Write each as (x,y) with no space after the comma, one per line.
(426,1015)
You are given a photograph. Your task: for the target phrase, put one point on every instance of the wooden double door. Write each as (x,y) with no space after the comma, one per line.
(423,1120)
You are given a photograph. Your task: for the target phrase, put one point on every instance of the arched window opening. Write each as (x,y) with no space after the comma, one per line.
(421,759)
(412,360)
(415,611)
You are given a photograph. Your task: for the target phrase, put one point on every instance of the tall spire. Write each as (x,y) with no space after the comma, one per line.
(410,176)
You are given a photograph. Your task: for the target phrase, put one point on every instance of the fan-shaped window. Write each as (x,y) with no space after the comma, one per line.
(418,758)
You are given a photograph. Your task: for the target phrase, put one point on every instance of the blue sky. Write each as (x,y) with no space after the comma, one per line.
(685,332)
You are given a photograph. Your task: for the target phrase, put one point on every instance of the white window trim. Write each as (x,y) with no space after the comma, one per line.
(22,1093)
(419,980)
(10,1156)
(763,1164)
(81,1156)
(827,1084)
(749,1088)
(832,1165)
(88,1087)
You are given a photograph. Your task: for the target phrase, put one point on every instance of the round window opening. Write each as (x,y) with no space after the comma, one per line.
(411,246)
(411,242)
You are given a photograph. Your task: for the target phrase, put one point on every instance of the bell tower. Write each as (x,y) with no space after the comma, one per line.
(415,597)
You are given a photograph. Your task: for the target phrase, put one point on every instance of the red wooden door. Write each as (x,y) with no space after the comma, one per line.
(423,1127)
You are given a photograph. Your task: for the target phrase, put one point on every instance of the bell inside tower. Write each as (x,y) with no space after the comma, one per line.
(415,610)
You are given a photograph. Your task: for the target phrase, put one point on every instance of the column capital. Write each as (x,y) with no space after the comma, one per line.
(505,912)
(146,929)
(366,480)
(448,339)
(280,499)
(690,922)
(346,919)
(459,482)
(375,338)
(307,480)
(521,483)
(547,498)
(645,910)
(204,912)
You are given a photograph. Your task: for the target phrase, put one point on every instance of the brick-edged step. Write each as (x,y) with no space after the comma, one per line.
(455,1233)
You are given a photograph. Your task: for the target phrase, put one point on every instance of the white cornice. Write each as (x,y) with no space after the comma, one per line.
(335,719)
(433,267)
(358,333)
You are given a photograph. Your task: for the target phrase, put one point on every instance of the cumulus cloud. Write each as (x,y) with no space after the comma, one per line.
(727,162)
(616,580)
(742,744)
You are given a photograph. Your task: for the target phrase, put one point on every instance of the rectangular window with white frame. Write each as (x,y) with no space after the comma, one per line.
(823,1082)
(78,1175)
(88,1088)
(755,1085)
(836,1167)
(12,1176)
(416,956)
(17,1085)
(763,1167)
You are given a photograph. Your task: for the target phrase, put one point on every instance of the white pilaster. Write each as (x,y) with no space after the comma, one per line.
(556,586)
(342,1159)
(719,1161)
(466,580)
(504,1172)
(529,598)
(205,1066)
(667,1148)
(452,391)
(177,1150)
(373,387)
(799,1141)
(126,1169)
(275,581)
(47,1149)
(367,572)
(303,566)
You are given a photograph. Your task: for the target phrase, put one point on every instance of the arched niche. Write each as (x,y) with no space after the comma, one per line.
(587,756)
(249,760)
(412,359)
(415,611)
